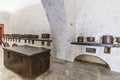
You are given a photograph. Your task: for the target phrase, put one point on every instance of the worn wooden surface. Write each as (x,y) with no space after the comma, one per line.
(27,61)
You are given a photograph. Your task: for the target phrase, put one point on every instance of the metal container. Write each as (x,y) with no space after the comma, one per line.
(107,39)
(46,35)
(80,39)
(33,36)
(118,39)
(27,35)
(90,39)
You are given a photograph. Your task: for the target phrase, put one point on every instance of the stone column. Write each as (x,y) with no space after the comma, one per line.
(55,10)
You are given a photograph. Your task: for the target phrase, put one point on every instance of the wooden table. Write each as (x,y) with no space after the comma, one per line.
(27,61)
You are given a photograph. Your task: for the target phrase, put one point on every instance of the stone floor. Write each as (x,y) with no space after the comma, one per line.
(65,70)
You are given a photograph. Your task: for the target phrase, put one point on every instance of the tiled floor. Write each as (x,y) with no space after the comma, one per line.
(64,70)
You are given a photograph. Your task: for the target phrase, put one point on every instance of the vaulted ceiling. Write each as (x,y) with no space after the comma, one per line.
(13,5)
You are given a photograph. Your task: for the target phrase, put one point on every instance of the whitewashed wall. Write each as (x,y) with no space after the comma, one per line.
(4,19)
(96,18)
(30,20)
(93,18)
(13,5)
(28,17)
(59,26)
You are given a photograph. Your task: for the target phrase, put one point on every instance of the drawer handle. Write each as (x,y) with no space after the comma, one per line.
(42,59)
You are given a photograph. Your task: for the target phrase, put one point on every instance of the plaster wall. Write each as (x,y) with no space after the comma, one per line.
(29,20)
(59,26)
(14,5)
(96,18)
(89,18)
(4,19)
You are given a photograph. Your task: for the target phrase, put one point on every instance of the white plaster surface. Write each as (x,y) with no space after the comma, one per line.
(14,5)
(59,26)
(4,19)
(93,18)
(30,20)
(97,18)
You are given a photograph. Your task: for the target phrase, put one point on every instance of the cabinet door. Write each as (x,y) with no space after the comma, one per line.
(1,31)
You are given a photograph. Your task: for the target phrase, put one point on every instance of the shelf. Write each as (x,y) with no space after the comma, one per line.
(35,39)
(96,44)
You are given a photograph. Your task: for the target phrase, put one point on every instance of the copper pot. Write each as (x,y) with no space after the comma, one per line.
(107,39)
(27,35)
(80,39)
(118,39)
(46,35)
(90,39)
(33,36)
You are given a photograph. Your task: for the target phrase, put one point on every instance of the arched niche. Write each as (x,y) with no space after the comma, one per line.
(91,59)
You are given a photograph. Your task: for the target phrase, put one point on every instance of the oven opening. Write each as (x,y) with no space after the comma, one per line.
(91,59)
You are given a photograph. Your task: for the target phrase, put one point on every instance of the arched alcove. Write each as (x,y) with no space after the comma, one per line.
(91,59)
(14,44)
